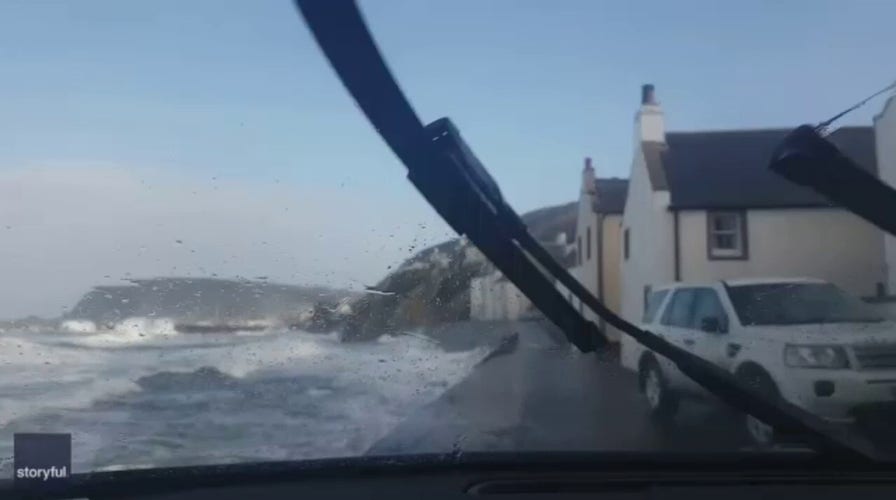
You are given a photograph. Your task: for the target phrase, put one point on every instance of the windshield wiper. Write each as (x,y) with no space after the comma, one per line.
(806,158)
(456,184)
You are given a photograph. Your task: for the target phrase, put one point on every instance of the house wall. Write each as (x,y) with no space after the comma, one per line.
(485,298)
(611,241)
(830,244)
(477,299)
(650,228)
(885,143)
(494,298)
(518,305)
(586,223)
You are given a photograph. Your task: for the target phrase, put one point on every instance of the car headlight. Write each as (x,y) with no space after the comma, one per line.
(816,356)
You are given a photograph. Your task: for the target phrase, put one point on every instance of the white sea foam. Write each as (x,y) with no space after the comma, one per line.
(385,380)
(78,326)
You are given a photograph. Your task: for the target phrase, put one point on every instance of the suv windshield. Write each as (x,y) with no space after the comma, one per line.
(798,303)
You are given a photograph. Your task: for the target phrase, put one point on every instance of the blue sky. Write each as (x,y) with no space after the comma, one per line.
(236,93)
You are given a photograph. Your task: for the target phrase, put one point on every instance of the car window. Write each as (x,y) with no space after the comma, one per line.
(679,312)
(708,305)
(652,305)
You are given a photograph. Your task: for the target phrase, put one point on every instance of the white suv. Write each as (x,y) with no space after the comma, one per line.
(803,339)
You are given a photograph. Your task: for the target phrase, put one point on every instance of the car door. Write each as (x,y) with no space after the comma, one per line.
(675,326)
(709,327)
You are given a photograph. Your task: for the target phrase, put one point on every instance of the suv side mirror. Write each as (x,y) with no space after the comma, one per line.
(712,324)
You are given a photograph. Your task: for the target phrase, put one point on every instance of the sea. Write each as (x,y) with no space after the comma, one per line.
(143,395)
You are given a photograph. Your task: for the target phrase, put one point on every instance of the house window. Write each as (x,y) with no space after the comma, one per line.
(588,244)
(625,243)
(726,235)
(579,250)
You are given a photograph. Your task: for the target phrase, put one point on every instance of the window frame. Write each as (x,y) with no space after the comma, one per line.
(740,232)
(625,243)
(579,250)
(588,244)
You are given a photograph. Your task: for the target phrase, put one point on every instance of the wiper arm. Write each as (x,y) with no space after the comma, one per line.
(459,188)
(804,157)
(439,165)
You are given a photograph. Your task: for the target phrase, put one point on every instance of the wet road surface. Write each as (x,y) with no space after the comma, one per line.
(542,395)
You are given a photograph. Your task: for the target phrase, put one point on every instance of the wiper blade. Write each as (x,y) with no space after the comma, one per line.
(459,188)
(804,157)
(439,165)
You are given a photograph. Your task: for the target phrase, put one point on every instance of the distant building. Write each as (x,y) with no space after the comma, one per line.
(494,297)
(598,246)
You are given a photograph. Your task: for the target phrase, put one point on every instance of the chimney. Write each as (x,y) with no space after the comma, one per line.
(588,177)
(647,94)
(649,121)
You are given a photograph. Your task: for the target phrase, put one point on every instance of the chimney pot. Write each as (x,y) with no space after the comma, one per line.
(588,163)
(647,94)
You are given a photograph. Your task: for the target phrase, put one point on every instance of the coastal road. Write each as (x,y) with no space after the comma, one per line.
(542,395)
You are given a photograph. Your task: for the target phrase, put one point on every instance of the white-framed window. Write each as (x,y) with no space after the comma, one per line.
(726,235)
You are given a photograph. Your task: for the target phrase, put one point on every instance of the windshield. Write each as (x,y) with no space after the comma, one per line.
(798,303)
(209,253)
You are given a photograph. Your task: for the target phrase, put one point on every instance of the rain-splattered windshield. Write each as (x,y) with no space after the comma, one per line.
(208,255)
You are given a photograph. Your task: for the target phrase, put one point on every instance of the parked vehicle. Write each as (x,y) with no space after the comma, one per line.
(804,340)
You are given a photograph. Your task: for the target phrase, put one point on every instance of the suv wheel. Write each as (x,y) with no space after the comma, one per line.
(662,401)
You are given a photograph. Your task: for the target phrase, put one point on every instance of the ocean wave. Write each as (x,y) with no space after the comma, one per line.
(342,396)
(135,330)
(203,378)
(78,326)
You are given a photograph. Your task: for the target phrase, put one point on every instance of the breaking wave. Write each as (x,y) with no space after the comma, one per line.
(335,399)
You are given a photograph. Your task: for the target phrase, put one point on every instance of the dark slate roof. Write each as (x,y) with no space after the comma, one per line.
(610,195)
(730,169)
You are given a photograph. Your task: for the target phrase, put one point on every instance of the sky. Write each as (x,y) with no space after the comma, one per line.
(212,138)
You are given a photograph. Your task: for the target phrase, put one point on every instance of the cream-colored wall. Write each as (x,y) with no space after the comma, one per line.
(587,220)
(651,258)
(830,244)
(885,144)
(611,241)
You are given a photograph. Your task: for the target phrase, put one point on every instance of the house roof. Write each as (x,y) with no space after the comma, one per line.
(610,195)
(729,169)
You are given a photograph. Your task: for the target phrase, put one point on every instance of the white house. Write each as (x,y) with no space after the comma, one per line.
(885,142)
(704,206)
(494,297)
(598,245)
